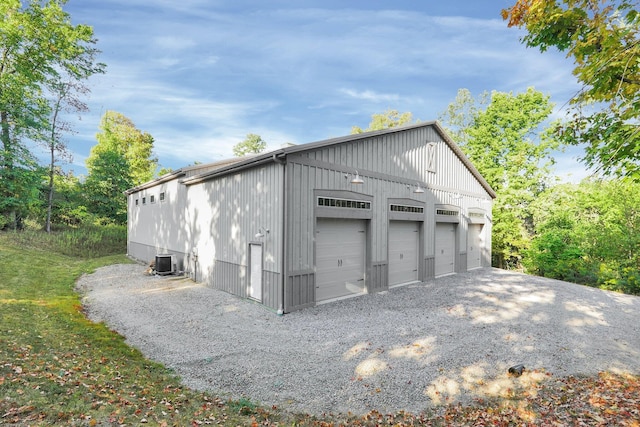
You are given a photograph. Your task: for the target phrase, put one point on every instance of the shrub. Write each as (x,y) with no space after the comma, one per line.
(626,280)
(85,241)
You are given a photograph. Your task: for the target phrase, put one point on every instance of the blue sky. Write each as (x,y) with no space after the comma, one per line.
(199,75)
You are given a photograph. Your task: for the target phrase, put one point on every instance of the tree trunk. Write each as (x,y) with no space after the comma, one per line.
(6,169)
(50,198)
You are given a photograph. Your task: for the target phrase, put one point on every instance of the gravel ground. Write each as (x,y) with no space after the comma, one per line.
(445,340)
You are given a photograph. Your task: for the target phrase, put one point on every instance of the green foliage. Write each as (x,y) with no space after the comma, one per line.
(19,193)
(555,253)
(602,38)
(502,136)
(64,99)
(461,113)
(86,241)
(625,280)
(252,144)
(387,120)
(122,159)
(118,134)
(164,171)
(38,45)
(68,204)
(588,233)
(104,187)
(243,406)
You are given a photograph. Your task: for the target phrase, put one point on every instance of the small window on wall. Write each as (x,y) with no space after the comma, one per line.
(137,202)
(152,199)
(162,197)
(144,200)
(431,157)
(476,215)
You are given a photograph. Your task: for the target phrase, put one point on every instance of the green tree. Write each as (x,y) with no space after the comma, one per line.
(506,143)
(588,233)
(461,113)
(69,205)
(252,144)
(388,119)
(109,176)
(64,99)
(20,186)
(38,45)
(119,133)
(602,38)
(122,158)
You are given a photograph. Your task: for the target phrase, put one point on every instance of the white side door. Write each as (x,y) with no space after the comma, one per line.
(255,271)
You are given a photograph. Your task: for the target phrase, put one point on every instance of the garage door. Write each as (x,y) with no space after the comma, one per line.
(403,252)
(474,246)
(445,248)
(340,258)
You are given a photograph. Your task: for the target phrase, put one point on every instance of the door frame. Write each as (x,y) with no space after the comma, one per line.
(255,292)
(419,251)
(455,248)
(479,247)
(366,257)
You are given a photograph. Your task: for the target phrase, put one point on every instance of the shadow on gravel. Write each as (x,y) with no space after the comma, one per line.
(446,340)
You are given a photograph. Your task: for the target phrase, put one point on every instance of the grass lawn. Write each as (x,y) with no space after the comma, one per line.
(58,368)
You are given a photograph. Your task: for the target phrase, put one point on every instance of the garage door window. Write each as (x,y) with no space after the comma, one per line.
(343,203)
(446,212)
(404,208)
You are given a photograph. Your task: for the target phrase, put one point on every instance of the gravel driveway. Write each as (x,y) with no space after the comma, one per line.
(448,339)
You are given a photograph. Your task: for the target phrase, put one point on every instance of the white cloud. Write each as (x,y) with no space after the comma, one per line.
(369,95)
(199,75)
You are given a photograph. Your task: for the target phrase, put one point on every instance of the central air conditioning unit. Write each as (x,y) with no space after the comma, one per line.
(165,264)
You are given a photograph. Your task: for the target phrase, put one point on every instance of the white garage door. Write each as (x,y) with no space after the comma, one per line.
(340,258)
(403,252)
(474,246)
(445,248)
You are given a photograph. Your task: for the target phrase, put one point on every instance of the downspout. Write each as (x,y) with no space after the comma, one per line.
(283,280)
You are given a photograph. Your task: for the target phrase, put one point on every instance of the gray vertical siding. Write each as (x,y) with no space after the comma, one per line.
(217,217)
(226,213)
(461,262)
(391,166)
(158,227)
(429,267)
(379,280)
(147,253)
(229,277)
(300,290)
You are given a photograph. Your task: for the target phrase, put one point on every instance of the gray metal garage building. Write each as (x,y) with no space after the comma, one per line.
(312,223)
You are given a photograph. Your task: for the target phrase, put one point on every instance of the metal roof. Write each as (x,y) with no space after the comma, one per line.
(238,164)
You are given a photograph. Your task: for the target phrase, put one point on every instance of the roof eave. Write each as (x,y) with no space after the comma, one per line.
(464,159)
(164,178)
(235,167)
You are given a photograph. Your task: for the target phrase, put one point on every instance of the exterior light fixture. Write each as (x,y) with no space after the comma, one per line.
(261,233)
(356,179)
